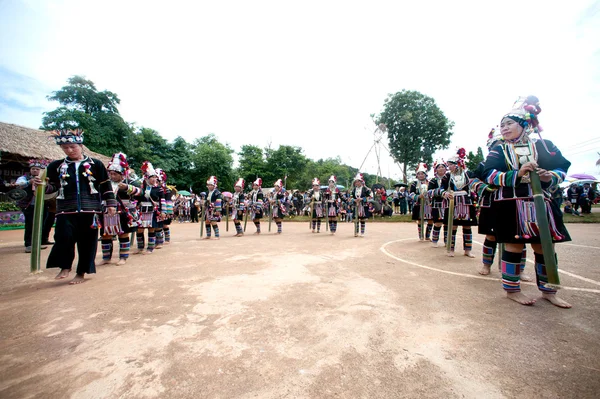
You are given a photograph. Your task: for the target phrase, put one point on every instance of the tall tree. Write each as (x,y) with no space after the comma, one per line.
(251,163)
(83,106)
(285,161)
(180,155)
(473,160)
(148,145)
(211,158)
(416,128)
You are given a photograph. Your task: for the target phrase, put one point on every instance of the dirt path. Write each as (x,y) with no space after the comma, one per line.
(298,315)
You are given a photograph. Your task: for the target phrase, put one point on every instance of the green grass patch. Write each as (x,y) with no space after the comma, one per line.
(13,226)
(593,217)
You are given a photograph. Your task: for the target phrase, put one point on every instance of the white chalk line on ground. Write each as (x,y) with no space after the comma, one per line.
(579,245)
(386,252)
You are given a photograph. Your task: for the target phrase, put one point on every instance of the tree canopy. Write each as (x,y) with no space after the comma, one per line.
(83,106)
(416,128)
(188,165)
(473,160)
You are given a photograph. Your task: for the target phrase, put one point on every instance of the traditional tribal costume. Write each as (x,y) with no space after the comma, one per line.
(278,200)
(456,182)
(238,206)
(151,208)
(120,224)
(315,198)
(163,233)
(436,200)
(417,190)
(256,203)
(213,208)
(515,220)
(27,205)
(360,194)
(82,185)
(485,193)
(333,201)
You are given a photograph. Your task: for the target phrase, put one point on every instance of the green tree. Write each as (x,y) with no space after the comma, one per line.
(83,106)
(251,163)
(211,158)
(416,128)
(148,145)
(285,161)
(473,160)
(180,155)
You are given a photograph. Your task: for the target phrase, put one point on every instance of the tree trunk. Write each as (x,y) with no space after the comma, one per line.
(404,173)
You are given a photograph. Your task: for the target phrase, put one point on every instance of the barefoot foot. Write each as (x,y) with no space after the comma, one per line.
(556,301)
(521,298)
(122,261)
(78,279)
(468,254)
(106,262)
(64,273)
(451,254)
(485,270)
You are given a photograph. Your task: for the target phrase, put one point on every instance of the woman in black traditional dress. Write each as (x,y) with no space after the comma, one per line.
(455,184)
(435,197)
(508,166)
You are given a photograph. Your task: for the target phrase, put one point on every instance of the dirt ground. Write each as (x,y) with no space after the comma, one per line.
(298,315)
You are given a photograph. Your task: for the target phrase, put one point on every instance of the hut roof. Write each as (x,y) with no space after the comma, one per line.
(34,143)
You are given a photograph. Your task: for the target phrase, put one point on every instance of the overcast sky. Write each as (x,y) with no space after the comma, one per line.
(310,73)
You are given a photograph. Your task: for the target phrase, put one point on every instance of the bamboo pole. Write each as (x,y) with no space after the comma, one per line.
(38,221)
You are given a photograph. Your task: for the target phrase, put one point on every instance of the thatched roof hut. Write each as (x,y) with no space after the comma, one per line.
(19,144)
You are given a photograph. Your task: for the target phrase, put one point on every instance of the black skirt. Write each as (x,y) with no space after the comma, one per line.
(506,223)
(486,221)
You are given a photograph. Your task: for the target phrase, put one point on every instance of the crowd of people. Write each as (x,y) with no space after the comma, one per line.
(497,197)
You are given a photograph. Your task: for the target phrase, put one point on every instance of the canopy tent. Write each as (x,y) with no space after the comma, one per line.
(337,185)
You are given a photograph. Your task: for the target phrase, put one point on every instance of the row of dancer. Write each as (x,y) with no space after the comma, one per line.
(256,205)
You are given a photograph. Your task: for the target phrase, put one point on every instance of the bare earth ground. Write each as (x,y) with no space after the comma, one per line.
(298,315)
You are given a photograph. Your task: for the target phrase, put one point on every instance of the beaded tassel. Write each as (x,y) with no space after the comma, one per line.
(428,231)
(319,225)
(208,230)
(167,234)
(279,229)
(216,229)
(363,225)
